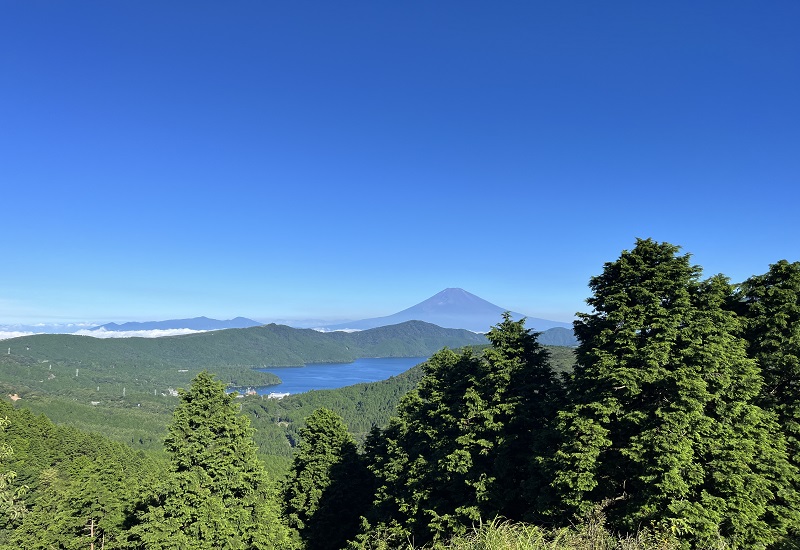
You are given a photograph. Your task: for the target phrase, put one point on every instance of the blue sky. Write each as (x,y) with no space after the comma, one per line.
(282,160)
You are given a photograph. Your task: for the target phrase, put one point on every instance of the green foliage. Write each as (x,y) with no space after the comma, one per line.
(770,306)
(362,406)
(140,427)
(558,336)
(120,387)
(408,339)
(324,439)
(48,362)
(527,397)
(11,505)
(217,494)
(590,533)
(82,503)
(277,422)
(91,370)
(327,488)
(79,485)
(467,441)
(661,421)
(562,359)
(676,416)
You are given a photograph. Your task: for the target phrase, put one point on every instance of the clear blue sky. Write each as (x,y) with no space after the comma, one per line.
(350,159)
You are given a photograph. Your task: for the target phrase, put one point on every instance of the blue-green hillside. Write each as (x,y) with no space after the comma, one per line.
(263,346)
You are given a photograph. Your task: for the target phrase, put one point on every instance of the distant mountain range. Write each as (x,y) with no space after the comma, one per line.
(452,308)
(196,323)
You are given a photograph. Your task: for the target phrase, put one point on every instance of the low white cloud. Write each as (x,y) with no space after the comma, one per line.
(156,333)
(6,334)
(321,329)
(45,328)
(64,326)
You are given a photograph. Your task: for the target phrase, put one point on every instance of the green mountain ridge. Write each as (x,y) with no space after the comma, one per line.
(121,387)
(141,372)
(263,346)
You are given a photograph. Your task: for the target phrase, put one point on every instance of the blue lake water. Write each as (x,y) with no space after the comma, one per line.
(327,376)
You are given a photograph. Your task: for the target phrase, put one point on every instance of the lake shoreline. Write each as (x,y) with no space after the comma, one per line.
(328,376)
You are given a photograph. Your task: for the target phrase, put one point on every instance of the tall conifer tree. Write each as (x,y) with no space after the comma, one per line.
(661,426)
(11,505)
(218,494)
(770,305)
(465,444)
(327,490)
(528,394)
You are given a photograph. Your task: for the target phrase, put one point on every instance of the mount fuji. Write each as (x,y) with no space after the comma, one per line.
(452,308)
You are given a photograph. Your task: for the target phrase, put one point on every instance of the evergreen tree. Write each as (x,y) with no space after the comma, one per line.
(770,305)
(77,509)
(528,399)
(83,500)
(326,491)
(661,427)
(217,494)
(79,485)
(465,445)
(11,505)
(42,527)
(427,475)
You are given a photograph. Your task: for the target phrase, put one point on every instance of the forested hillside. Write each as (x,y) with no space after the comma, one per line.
(362,407)
(141,425)
(674,428)
(67,484)
(102,384)
(262,346)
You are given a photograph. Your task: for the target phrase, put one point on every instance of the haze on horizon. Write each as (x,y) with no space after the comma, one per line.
(345,161)
(451,308)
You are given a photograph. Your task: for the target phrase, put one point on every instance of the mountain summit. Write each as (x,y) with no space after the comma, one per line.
(452,308)
(196,323)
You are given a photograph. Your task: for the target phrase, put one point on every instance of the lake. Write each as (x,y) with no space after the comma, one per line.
(328,376)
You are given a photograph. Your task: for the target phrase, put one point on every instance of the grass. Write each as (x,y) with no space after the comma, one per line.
(500,535)
(591,534)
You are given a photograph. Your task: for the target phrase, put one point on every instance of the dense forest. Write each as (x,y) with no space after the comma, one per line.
(126,388)
(675,425)
(96,369)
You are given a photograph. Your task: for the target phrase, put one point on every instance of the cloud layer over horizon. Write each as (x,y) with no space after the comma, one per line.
(103,333)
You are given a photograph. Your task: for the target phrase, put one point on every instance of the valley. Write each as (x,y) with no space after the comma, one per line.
(126,389)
